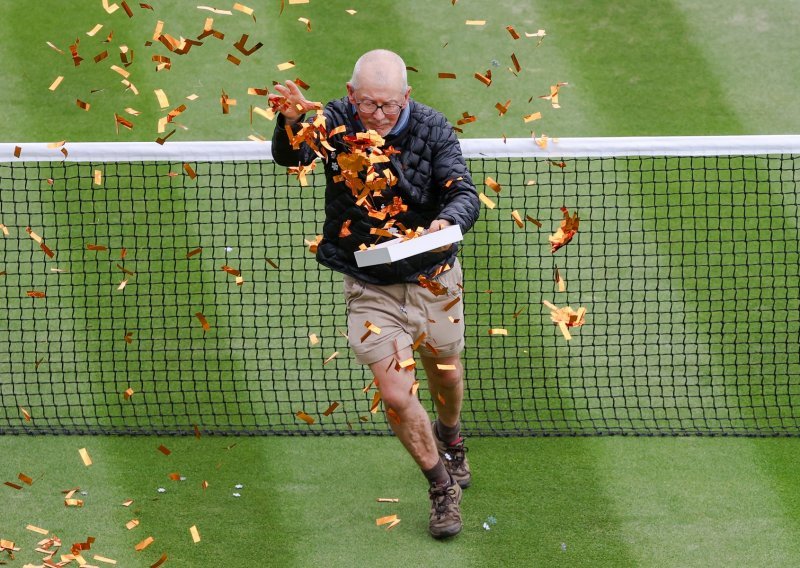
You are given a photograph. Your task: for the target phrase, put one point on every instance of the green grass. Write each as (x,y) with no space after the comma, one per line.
(639,68)
(612,502)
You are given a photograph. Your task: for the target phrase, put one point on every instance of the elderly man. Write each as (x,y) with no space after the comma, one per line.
(414,303)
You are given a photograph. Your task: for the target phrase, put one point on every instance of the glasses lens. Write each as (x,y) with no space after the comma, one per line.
(391,110)
(368,106)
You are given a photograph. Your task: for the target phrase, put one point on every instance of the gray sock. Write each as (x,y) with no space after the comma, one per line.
(437,475)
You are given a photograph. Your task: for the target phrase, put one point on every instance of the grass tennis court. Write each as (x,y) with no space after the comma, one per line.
(640,69)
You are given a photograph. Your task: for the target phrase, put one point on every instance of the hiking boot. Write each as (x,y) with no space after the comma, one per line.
(454,457)
(445,510)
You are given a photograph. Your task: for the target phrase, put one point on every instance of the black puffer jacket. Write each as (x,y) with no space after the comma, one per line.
(429,157)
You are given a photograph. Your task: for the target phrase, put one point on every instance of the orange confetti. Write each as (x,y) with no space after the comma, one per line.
(493,184)
(87,461)
(565,232)
(285,66)
(195,534)
(160,561)
(35,294)
(498,331)
(517,219)
(55,84)
(144,544)
(25,479)
(513,32)
(330,409)
(203,321)
(25,414)
(194,252)
(305,417)
(164,450)
(447,75)
(483,79)
(331,358)
(486,201)
(128,392)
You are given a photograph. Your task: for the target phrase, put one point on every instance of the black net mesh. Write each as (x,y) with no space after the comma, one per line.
(687,267)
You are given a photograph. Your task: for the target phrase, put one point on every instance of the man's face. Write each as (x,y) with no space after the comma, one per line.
(368,94)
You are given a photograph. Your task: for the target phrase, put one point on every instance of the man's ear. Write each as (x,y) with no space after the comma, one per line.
(351,93)
(408,94)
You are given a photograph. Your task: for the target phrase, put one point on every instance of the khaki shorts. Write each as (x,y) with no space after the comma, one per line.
(403,312)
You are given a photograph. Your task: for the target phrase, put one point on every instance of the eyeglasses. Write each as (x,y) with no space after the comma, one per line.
(389,109)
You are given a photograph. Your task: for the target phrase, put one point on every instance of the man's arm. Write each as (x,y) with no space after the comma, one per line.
(460,198)
(292,106)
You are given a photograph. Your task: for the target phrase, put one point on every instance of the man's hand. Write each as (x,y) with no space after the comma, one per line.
(437,225)
(291,103)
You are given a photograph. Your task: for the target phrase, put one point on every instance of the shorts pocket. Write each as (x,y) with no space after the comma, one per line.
(353,289)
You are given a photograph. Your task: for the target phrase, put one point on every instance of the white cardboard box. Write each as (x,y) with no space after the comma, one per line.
(398,249)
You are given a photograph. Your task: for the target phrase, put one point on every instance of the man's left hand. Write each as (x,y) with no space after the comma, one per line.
(437,225)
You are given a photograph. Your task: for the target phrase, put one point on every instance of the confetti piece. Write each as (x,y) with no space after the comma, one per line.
(195,534)
(132,524)
(73,503)
(94,30)
(7,545)
(122,285)
(313,339)
(104,560)
(498,331)
(451,303)
(36,529)
(513,32)
(84,105)
(385,520)
(127,503)
(109,9)
(387,500)
(330,409)
(352,12)
(25,414)
(408,363)
(285,66)
(203,321)
(163,101)
(13,485)
(503,108)
(515,61)
(164,450)
(54,47)
(87,461)
(305,417)
(35,294)
(55,85)
(492,184)
(194,252)
(98,179)
(447,75)
(443,367)
(517,219)
(331,358)
(128,392)
(533,116)
(144,544)
(244,9)
(483,79)
(441,399)
(476,22)
(25,479)
(565,232)
(486,201)
(305,21)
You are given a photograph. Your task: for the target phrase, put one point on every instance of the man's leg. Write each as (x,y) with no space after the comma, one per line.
(410,423)
(447,390)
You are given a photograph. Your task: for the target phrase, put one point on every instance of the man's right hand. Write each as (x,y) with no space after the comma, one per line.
(291,102)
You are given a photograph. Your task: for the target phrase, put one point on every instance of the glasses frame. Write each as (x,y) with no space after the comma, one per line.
(380,107)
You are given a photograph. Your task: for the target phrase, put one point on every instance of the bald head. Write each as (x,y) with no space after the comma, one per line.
(380,67)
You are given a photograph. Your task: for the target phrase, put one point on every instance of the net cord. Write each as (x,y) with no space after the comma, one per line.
(753,145)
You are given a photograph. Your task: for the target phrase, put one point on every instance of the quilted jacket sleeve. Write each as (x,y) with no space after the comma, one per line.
(282,151)
(460,200)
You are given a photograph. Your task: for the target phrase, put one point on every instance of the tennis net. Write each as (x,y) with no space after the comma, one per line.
(168,289)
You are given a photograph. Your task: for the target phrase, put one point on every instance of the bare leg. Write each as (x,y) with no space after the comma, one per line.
(448,384)
(412,424)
